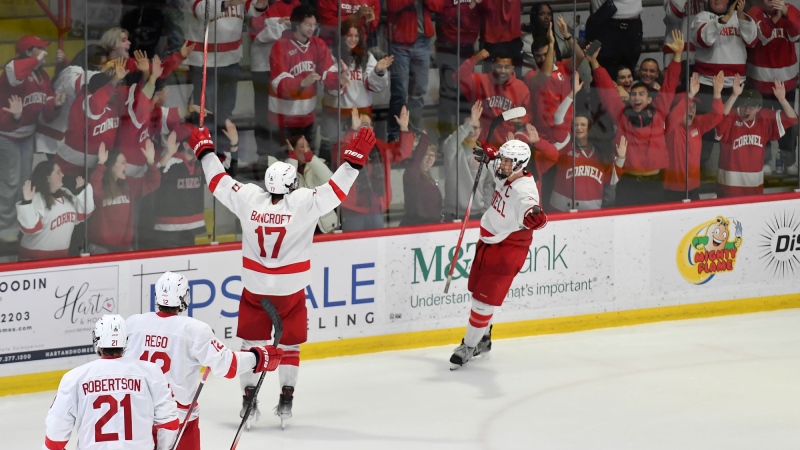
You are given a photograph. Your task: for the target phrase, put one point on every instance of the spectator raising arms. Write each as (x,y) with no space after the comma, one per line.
(365,14)
(744,134)
(371,196)
(681,119)
(642,123)
(499,91)
(422,197)
(48,213)
(111,227)
(312,172)
(774,58)
(25,92)
(461,169)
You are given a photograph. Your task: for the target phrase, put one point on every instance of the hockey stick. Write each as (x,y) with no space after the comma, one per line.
(511,114)
(278,325)
(205,65)
(206,371)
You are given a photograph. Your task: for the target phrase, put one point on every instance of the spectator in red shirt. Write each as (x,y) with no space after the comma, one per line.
(679,120)
(111,226)
(370,197)
(774,57)
(499,91)
(642,123)
(502,28)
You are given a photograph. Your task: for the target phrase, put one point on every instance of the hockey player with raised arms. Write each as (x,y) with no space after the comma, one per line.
(278,229)
(506,233)
(181,345)
(114,402)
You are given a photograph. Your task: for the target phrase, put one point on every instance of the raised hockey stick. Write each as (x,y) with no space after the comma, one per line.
(205,65)
(203,379)
(272,312)
(513,113)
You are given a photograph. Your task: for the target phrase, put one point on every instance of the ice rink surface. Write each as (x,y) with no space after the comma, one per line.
(722,383)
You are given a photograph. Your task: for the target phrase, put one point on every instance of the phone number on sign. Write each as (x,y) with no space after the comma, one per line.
(14,317)
(15,358)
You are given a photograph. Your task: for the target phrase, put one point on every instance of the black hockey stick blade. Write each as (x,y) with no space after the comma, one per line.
(272,312)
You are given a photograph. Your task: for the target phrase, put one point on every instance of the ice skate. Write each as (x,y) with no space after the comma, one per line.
(284,408)
(485,344)
(255,414)
(461,356)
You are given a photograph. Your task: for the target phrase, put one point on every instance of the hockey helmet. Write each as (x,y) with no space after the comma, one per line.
(518,152)
(172,290)
(110,331)
(281,178)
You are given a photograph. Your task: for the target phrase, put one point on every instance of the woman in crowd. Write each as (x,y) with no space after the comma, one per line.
(311,172)
(649,73)
(367,75)
(541,21)
(48,213)
(111,228)
(422,197)
(624,82)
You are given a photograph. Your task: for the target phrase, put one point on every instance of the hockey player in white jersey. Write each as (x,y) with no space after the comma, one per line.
(180,345)
(278,229)
(114,402)
(506,233)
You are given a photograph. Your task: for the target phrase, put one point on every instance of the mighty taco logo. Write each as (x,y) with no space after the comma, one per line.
(709,249)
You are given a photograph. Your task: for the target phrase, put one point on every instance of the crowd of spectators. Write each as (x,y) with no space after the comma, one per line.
(605,126)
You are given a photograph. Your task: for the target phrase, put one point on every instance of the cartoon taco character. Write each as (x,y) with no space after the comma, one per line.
(717,236)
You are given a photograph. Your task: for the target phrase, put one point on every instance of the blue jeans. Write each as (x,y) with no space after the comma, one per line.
(222,80)
(409,83)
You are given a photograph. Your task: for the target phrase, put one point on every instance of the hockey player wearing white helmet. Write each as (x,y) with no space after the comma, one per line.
(506,233)
(279,228)
(180,346)
(113,402)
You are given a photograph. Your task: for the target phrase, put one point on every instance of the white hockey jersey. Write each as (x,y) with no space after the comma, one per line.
(115,403)
(510,203)
(180,345)
(276,239)
(721,46)
(47,232)
(224,31)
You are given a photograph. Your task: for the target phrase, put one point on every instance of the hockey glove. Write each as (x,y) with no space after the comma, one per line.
(535,219)
(485,152)
(267,358)
(200,141)
(359,148)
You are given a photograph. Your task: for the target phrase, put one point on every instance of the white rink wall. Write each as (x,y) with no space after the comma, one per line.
(394,284)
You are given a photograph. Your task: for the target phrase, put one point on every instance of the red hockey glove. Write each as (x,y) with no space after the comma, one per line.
(200,141)
(267,358)
(485,152)
(359,148)
(535,219)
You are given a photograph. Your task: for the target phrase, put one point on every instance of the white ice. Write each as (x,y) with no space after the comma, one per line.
(721,383)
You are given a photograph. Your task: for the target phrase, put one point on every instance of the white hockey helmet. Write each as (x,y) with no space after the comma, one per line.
(110,331)
(518,152)
(172,290)
(280,178)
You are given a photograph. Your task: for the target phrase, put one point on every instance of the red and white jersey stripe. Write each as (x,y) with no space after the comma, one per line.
(774,56)
(276,238)
(47,232)
(180,346)
(721,46)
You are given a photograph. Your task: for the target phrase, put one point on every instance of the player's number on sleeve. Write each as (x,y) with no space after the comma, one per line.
(160,358)
(266,231)
(113,408)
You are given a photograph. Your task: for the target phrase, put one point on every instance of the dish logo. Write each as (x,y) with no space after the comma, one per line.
(709,249)
(779,244)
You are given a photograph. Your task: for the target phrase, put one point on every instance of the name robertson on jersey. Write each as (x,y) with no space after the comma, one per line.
(269,218)
(111,385)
